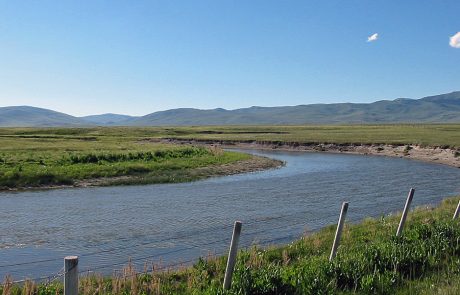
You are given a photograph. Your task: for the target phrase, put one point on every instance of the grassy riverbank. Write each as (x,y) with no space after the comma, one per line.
(81,157)
(47,157)
(425,260)
(430,135)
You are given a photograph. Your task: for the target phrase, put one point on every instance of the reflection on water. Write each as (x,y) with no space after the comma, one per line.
(179,222)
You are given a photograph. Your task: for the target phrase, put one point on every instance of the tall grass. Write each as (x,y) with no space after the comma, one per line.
(135,156)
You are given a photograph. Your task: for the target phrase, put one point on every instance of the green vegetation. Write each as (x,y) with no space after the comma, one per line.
(126,155)
(68,156)
(371,260)
(432,135)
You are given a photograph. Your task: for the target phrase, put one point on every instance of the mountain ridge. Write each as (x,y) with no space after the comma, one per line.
(108,119)
(27,116)
(443,108)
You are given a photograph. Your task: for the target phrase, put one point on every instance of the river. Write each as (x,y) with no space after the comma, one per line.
(176,223)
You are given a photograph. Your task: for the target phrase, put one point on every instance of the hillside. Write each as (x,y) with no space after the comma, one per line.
(108,119)
(443,108)
(26,116)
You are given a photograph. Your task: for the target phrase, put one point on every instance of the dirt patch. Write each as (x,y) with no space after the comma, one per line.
(253,164)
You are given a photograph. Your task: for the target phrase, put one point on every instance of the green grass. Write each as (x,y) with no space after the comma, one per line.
(426,260)
(433,135)
(370,260)
(57,156)
(33,158)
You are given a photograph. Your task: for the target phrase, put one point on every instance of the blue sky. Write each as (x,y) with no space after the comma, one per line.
(136,57)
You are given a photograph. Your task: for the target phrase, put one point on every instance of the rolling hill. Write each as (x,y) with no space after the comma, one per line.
(108,119)
(443,108)
(26,116)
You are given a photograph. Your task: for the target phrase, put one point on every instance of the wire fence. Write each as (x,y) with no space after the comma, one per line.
(254,235)
(260,232)
(257,232)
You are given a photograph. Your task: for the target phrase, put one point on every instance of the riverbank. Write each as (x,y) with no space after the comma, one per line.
(370,260)
(248,165)
(79,157)
(62,158)
(435,143)
(439,155)
(241,163)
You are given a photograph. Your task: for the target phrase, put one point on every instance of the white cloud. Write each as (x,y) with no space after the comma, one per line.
(373,37)
(455,40)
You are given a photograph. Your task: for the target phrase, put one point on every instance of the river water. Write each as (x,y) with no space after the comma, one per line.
(173,224)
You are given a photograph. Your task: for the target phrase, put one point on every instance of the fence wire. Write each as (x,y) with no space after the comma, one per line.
(247,235)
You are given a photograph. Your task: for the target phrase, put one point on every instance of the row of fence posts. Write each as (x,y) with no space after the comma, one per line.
(338,234)
(71,262)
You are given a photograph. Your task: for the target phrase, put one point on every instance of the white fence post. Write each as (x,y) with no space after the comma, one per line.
(457,211)
(232,255)
(71,275)
(338,233)
(406,210)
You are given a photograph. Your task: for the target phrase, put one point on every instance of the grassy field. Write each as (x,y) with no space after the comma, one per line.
(370,260)
(66,156)
(425,135)
(434,135)
(122,155)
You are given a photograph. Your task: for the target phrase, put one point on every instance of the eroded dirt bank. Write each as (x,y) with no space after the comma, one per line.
(440,155)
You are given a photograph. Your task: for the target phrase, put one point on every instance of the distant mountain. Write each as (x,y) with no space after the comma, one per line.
(25,116)
(435,109)
(444,108)
(108,119)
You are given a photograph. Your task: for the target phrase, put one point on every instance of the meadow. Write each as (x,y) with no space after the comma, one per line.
(67,157)
(43,157)
(429,135)
(370,260)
